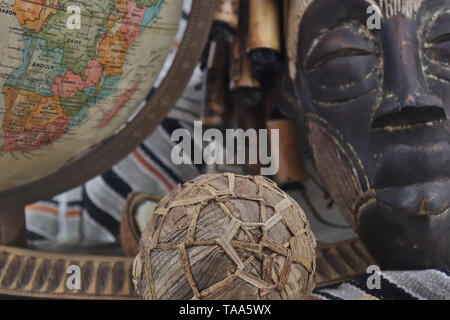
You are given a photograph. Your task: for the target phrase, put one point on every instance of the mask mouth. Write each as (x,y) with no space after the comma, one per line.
(409,118)
(405,165)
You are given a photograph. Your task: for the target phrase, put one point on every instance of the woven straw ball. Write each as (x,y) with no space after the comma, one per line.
(229,237)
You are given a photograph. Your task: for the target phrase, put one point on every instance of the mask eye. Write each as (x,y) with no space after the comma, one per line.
(439,52)
(437,44)
(342,53)
(341,63)
(341,42)
(440,39)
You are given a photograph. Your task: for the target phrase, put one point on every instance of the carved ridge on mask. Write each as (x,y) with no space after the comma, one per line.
(340,173)
(389,8)
(367,199)
(331,104)
(335,133)
(295,10)
(371,74)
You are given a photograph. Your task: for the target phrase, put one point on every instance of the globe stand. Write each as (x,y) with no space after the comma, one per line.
(12,226)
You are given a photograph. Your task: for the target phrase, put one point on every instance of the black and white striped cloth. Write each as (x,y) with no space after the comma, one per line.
(394,285)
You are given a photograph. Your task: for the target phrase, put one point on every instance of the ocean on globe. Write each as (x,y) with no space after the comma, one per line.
(71,73)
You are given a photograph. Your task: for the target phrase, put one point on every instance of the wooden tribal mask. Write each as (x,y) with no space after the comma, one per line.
(376,107)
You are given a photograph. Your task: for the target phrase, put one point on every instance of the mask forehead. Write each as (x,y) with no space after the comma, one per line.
(296,9)
(387,8)
(390,8)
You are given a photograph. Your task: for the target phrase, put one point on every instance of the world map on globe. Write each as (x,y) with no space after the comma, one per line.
(71,73)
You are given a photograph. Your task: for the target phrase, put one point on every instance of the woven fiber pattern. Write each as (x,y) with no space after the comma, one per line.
(226,237)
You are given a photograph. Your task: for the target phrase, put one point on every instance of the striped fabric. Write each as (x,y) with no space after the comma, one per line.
(394,285)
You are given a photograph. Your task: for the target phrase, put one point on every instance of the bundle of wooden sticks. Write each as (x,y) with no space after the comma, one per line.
(244,61)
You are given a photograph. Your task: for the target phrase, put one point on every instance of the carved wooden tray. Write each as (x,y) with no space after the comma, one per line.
(37,274)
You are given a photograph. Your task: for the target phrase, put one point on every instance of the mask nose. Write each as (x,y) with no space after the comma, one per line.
(415,109)
(407,101)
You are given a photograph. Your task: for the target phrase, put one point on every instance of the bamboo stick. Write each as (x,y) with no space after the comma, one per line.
(245,87)
(216,59)
(265,35)
(217,100)
(227,13)
(292,171)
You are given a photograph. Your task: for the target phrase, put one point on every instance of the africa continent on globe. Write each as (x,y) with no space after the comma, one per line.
(71,73)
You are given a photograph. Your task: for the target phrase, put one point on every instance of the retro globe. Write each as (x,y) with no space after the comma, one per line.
(74,75)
